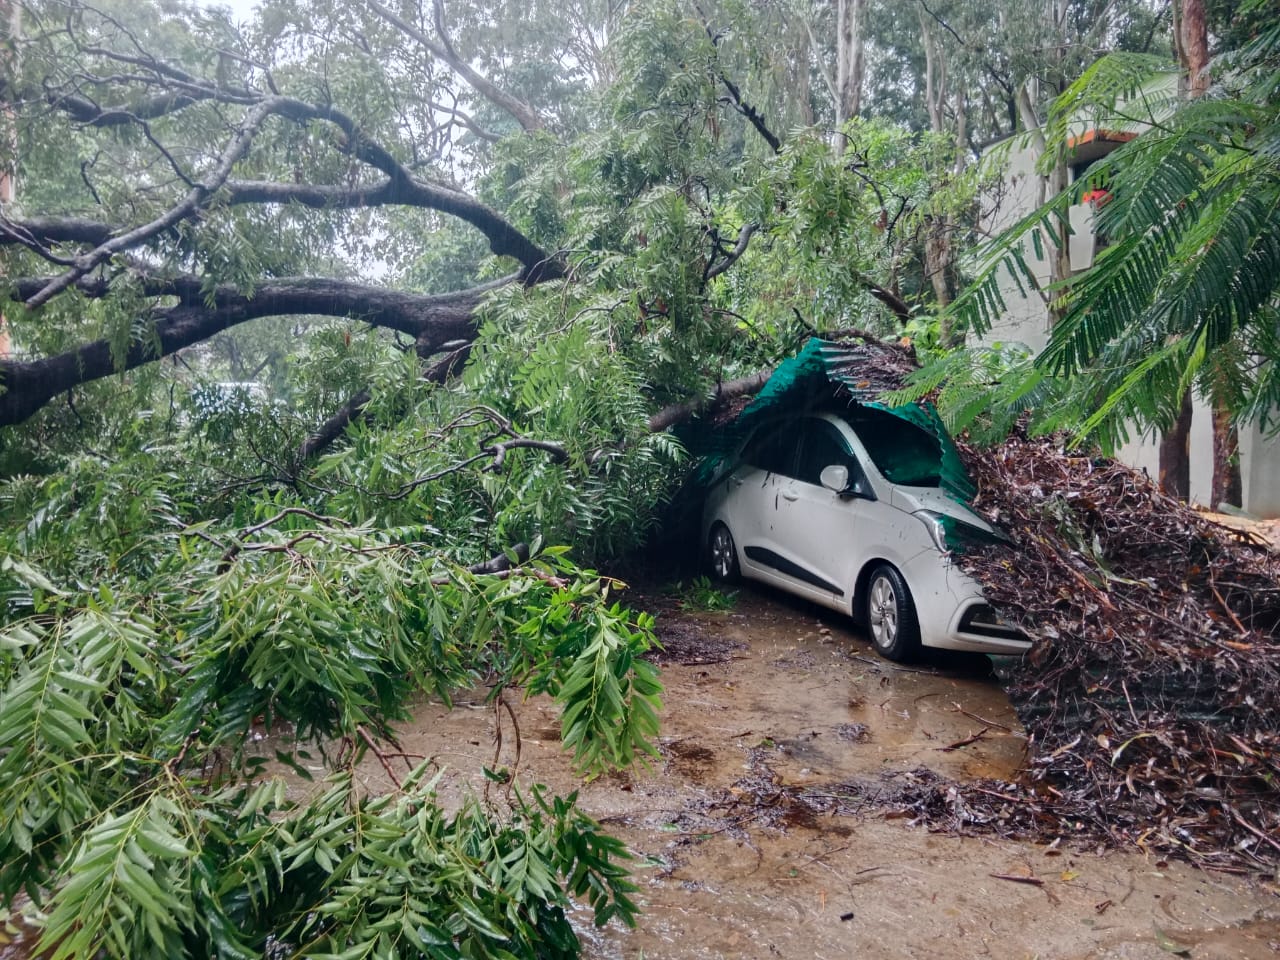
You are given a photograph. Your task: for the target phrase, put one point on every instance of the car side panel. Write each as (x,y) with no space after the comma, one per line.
(746,502)
(754,511)
(820,535)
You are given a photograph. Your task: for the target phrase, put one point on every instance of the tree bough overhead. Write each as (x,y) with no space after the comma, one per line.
(329,126)
(195,197)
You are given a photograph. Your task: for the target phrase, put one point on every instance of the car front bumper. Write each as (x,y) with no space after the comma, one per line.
(956,616)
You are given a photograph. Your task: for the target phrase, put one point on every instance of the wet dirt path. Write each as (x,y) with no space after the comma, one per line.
(749,844)
(768,827)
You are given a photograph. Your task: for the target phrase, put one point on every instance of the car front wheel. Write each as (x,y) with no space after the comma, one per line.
(722,555)
(891,615)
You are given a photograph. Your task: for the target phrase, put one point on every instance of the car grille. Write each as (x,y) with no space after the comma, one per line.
(981,619)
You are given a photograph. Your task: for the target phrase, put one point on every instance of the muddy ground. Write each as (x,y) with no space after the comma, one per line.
(777,822)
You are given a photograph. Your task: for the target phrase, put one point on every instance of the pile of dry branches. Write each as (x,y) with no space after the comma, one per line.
(1152,694)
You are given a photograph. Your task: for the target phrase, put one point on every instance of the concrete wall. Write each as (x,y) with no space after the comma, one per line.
(1025,318)
(1260,471)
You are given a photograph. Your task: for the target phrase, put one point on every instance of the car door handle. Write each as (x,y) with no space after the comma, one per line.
(788,493)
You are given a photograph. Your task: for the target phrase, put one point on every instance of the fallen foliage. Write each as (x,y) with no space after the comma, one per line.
(1151,694)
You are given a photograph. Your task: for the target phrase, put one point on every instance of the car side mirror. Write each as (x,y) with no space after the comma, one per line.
(835,478)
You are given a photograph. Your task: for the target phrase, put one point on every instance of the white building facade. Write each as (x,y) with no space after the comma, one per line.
(1026,318)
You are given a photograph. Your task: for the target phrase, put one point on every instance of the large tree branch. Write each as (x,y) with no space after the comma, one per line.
(47,230)
(901,309)
(715,268)
(199,313)
(723,393)
(411,313)
(523,113)
(351,411)
(196,197)
(754,117)
(84,110)
(407,190)
(450,359)
(433,320)
(329,431)
(504,239)
(400,187)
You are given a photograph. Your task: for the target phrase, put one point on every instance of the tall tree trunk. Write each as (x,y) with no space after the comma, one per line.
(938,252)
(851,17)
(935,73)
(1051,184)
(1195,47)
(1175,454)
(799,80)
(1228,487)
(1191,41)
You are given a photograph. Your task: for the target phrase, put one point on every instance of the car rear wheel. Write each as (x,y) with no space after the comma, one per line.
(722,555)
(891,615)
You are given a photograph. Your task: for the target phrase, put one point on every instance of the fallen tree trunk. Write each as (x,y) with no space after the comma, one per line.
(723,393)
(433,320)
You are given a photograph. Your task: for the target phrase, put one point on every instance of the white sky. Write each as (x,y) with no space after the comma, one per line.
(241,10)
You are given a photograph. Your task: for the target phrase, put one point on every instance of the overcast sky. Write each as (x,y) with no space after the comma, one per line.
(241,9)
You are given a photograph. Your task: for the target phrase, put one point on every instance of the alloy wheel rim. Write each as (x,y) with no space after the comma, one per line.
(720,552)
(884,612)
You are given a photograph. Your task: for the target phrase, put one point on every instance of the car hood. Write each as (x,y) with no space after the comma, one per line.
(912,499)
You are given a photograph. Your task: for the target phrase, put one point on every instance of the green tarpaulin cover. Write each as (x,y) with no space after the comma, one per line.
(827,375)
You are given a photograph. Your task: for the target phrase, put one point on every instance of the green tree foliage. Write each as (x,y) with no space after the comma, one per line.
(1185,292)
(141,652)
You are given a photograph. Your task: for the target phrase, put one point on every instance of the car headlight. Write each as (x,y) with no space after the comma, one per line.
(937,532)
(950,534)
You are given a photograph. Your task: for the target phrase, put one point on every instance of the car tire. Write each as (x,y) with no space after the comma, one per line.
(891,615)
(722,554)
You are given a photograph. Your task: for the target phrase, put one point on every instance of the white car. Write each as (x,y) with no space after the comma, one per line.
(846,510)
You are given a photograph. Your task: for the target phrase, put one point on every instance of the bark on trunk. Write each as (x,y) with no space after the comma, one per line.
(1175,454)
(432,320)
(938,252)
(1051,184)
(800,84)
(1192,43)
(1195,47)
(850,43)
(724,392)
(1227,485)
(935,72)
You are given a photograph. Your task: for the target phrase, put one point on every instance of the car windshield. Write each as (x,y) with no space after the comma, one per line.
(904,453)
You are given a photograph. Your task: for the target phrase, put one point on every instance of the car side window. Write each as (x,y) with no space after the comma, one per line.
(822,445)
(772,450)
